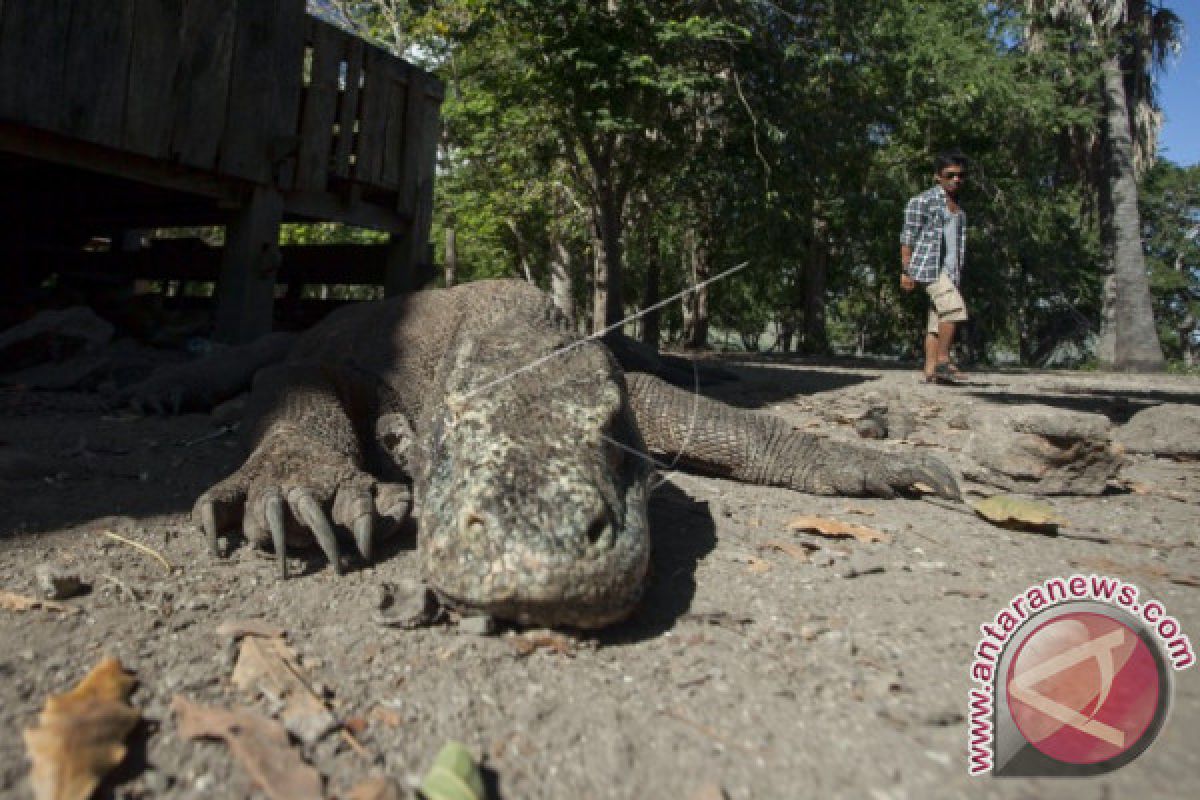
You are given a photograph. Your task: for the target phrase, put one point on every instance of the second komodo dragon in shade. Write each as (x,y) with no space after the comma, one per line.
(522,451)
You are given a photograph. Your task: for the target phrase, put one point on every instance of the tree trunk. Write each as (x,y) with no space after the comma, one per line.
(1136,345)
(522,251)
(815,337)
(652,321)
(695,322)
(599,286)
(562,287)
(451,266)
(607,220)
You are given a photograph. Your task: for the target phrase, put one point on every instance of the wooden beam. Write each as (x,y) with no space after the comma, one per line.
(319,108)
(192,260)
(361,214)
(246,288)
(202,98)
(153,67)
(38,144)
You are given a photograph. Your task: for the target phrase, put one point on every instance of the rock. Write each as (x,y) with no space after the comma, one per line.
(873,424)
(55,583)
(1171,429)
(408,606)
(53,336)
(900,424)
(78,371)
(1041,450)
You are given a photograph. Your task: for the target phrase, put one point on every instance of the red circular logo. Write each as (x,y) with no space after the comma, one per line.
(1083,688)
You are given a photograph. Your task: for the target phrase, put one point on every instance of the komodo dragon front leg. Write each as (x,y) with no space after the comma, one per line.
(717,439)
(307,471)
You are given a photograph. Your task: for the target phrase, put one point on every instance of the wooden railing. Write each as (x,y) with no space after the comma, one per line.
(254,90)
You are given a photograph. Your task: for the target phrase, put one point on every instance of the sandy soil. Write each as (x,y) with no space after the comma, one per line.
(845,675)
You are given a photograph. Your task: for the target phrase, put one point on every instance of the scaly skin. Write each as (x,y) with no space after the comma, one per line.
(529,498)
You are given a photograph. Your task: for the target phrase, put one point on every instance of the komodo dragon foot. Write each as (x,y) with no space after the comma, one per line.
(292,490)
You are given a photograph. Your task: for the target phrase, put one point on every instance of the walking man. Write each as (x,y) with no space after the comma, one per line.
(932,247)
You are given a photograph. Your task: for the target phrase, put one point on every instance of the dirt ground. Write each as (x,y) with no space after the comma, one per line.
(747,667)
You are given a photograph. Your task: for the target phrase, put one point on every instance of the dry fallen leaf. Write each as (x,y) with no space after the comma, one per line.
(923,488)
(259,744)
(710,791)
(378,787)
(529,641)
(81,734)
(240,628)
(798,552)
(388,716)
(1143,488)
(19,602)
(837,530)
(269,666)
(1017,513)
(865,512)
(757,566)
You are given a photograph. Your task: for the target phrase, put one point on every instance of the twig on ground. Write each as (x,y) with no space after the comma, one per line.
(147,550)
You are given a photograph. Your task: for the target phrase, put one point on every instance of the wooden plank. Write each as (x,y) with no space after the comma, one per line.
(154,62)
(264,87)
(395,140)
(319,107)
(33,43)
(372,126)
(328,206)
(202,90)
(187,259)
(422,129)
(250,261)
(348,109)
(96,75)
(38,144)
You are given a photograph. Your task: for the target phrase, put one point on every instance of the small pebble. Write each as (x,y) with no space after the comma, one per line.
(478,626)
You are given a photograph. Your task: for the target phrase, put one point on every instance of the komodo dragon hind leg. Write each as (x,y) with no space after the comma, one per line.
(712,437)
(306,472)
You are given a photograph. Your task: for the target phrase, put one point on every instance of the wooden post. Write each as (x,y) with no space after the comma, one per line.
(407,252)
(246,291)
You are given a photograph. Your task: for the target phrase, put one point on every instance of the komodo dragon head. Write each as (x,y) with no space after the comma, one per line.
(530,497)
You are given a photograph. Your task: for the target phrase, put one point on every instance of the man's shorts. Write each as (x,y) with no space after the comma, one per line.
(946,303)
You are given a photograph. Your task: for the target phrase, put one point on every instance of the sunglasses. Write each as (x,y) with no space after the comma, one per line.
(954,176)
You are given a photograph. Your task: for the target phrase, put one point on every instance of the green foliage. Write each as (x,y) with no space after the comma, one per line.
(1170,206)
(788,134)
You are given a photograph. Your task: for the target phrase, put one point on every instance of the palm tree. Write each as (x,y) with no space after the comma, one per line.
(1136,37)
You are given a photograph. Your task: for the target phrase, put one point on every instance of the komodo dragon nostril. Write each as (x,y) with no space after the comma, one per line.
(600,534)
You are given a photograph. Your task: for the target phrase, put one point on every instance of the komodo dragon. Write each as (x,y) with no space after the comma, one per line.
(524,446)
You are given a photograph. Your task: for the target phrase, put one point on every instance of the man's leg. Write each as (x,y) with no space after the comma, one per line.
(931,354)
(932,326)
(945,338)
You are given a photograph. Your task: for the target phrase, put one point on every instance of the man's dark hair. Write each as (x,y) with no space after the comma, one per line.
(949,159)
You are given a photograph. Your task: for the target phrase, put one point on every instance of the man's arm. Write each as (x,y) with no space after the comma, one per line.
(906,281)
(914,218)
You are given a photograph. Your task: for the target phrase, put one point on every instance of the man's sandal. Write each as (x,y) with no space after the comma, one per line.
(945,374)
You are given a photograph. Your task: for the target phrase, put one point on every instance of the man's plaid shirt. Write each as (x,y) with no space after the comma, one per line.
(925,219)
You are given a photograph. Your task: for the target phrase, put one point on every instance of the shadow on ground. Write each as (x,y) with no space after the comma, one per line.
(684,532)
